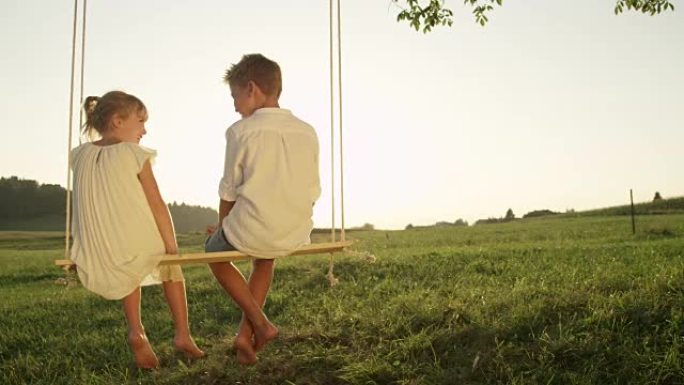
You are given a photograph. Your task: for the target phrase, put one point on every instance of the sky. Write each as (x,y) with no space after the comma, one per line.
(552,105)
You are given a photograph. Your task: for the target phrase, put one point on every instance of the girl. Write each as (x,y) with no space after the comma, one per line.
(121,225)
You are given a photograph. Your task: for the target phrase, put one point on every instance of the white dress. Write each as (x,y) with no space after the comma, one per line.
(116,242)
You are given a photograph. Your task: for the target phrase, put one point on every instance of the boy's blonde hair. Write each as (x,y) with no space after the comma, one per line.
(259,69)
(99,111)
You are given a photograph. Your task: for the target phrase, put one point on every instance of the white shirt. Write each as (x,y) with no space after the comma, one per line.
(271,173)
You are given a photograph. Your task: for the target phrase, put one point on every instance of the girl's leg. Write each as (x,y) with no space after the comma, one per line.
(142,351)
(174,291)
(233,282)
(259,285)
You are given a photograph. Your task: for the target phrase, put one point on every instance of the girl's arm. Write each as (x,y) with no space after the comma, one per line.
(159,208)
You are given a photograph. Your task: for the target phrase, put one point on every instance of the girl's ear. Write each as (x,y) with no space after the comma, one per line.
(117,121)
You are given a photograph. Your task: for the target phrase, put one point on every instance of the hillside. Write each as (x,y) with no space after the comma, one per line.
(664,206)
(26,205)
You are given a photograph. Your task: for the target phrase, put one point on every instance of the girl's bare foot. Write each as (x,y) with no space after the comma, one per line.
(264,335)
(187,346)
(142,351)
(245,352)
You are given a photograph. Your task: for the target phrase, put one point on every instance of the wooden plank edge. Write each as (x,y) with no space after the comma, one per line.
(230,256)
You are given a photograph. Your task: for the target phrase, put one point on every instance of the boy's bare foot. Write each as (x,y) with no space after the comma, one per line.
(245,352)
(142,351)
(264,335)
(187,346)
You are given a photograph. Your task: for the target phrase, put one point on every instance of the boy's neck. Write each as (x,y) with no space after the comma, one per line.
(264,101)
(270,103)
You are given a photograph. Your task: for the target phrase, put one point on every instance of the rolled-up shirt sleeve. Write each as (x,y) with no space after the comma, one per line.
(232,169)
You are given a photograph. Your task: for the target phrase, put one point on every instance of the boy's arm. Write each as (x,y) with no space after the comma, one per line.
(159,209)
(232,175)
(224,210)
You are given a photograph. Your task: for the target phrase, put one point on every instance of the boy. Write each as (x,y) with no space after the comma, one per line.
(269,186)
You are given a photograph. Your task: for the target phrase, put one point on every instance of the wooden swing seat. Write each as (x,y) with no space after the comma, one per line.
(230,256)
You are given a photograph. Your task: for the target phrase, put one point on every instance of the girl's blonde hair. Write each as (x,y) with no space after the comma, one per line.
(100,111)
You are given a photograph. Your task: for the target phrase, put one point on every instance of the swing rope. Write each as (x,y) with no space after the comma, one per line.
(83,41)
(331,263)
(339,98)
(330,275)
(332,127)
(67,233)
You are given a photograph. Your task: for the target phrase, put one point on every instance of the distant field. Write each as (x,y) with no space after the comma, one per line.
(33,235)
(574,300)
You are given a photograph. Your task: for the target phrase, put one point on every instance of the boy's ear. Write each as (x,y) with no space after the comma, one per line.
(253,88)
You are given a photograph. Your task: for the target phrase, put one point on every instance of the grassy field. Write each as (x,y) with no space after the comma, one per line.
(539,301)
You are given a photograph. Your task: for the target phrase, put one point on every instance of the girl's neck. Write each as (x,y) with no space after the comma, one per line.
(107,141)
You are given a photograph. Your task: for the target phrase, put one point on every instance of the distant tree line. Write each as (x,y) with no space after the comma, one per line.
(24,199)
(456,223)
(187,219)
(540,213)
(659,205)
(510,216)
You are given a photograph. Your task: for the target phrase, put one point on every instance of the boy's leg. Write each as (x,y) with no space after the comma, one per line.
(259,284)
(142,350)
(234,283)
(174,291)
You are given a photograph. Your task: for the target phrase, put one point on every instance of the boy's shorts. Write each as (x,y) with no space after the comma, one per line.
(217,242)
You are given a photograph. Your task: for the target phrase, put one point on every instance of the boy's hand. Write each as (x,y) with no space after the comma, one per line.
(211,229)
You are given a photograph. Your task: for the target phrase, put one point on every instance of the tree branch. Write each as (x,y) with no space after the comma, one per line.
(434,13)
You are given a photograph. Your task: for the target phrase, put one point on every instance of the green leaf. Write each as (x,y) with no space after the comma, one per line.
(434,13)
